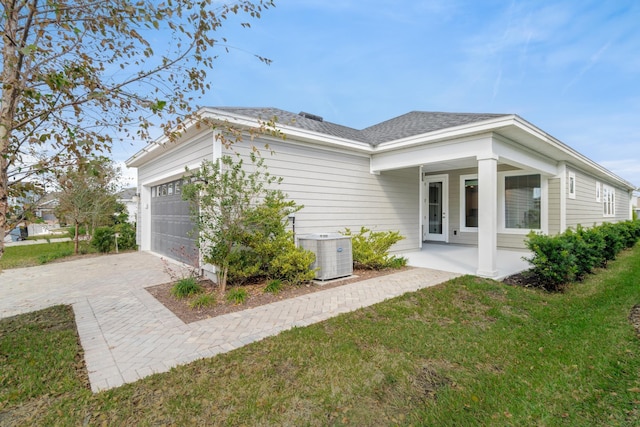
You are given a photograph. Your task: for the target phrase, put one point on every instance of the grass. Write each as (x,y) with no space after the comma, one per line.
(186,287)
(41,253)
(468,352)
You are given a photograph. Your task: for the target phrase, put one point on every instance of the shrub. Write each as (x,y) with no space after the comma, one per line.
(586,246)
(186,287)
(292,264)
(127,236)
(237,295)
(203,300)
(273,287)
(267,249)
(371,249)
(553,260)
(573,254)
(614,241)
(103,239)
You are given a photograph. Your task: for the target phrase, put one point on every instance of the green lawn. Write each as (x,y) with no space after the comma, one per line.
(468,352)
(30,255)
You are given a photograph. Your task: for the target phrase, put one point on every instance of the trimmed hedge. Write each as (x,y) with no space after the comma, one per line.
(571,255)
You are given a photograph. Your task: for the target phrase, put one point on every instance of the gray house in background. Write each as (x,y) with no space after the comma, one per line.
(483,180)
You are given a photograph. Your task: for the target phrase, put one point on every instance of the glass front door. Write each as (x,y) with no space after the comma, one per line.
(434,209)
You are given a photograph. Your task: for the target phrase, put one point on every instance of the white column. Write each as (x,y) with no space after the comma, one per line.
(488,216)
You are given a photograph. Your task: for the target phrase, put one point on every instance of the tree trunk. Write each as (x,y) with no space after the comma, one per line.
(75,239)
(7,110)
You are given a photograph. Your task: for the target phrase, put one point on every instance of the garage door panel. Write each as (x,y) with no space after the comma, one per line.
(172,227)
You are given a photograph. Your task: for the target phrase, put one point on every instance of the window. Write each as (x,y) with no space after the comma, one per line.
(522,197)
(170,189)
(163,191)
(469,202)
(598,192)
(178,186)
(608,200)
(572,185)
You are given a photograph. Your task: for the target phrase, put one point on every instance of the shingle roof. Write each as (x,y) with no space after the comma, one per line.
(406,125)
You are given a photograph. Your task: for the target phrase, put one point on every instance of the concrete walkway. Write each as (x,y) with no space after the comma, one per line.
(127,334)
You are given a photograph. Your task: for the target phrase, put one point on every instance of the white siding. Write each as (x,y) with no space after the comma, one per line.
(554,205)
(586,210)
(338,191)
(171,164)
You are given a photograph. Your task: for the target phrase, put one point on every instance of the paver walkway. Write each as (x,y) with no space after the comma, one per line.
(127,334)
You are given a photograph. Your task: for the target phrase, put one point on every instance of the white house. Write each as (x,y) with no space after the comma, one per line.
(461,179)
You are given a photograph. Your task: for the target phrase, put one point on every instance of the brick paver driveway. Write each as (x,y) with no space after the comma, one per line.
(127,334)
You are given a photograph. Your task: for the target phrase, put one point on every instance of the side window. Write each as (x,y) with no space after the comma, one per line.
(608,201)
(469,202)
(572,185)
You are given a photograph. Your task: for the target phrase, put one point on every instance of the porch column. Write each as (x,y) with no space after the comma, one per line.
(488,216)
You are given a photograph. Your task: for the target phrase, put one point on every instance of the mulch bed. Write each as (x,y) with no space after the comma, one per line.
(256,295)
(524,280)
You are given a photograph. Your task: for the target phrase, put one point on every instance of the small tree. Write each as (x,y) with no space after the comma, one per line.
(239,214)
(221,194)
(87,195)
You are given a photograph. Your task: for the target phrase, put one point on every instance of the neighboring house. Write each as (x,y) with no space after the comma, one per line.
(129,198)
(472,179)
(46,207)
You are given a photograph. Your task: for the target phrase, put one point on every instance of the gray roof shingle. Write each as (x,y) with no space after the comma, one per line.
(406,125)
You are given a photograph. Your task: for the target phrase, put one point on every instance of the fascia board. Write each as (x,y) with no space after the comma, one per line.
(583,161)
(290,131)
(448,133)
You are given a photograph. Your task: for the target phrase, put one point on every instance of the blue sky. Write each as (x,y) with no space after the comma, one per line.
(572,68)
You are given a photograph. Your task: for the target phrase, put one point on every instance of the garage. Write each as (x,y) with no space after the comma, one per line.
(172,226)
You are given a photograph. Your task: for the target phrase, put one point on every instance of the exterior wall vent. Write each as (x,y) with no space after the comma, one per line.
(334,257)
(311,116)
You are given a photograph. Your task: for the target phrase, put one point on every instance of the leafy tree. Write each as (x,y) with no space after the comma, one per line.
(240,214)
(76,72)
(86,195)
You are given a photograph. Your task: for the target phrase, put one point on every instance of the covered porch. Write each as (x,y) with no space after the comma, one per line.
(464,259)
(479,197)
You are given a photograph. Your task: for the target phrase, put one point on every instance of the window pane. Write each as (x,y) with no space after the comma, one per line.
(170,188)
(522,201)
(435,207)
(471,202)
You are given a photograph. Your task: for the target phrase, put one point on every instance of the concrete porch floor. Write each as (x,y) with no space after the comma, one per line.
(464,259)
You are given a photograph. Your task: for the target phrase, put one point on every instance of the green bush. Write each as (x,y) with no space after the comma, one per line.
(587,246)
(292,264)
(267,249)
(554,263)
(371,249)
(186,287)
(613,239)
(237,295)
(127,236)
(103,239)
(569,256)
